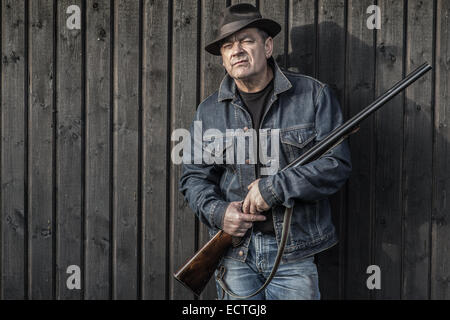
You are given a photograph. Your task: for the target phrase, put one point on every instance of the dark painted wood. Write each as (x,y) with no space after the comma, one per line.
(155,148)
(212,73)
(126,144)
(359,94)
(440,275)
(69,154)
(98,144)
(40,206)
(13,153)
(275,10)
(302,37)
(417,158)
(184,100)
(331,70)
(388,156)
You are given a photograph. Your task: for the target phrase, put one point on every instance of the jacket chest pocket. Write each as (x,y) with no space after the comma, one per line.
(296,140)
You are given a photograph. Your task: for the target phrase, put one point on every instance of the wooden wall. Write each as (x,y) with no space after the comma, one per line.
(86,120)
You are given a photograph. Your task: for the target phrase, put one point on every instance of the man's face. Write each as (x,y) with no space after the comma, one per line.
(244,54)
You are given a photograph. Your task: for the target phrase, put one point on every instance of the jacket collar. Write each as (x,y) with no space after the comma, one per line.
(281,84)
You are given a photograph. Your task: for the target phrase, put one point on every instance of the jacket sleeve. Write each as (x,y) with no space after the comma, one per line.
(320,178)
(199,184)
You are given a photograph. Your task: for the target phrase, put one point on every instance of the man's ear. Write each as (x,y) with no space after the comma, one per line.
(268,47)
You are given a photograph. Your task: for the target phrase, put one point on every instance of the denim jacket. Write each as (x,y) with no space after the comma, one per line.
(305,110)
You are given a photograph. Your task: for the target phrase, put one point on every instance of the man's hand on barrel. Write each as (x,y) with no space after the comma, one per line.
(254,202)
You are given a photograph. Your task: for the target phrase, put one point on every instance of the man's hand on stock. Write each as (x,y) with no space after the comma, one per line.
(254,202)
(236,223)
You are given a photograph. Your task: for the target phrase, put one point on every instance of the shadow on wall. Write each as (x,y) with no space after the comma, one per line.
(377,143)
(303,58)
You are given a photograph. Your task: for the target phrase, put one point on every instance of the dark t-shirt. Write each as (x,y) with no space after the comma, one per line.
(256,103)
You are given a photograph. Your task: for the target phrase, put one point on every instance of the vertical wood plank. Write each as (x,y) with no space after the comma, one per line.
(98,114)
(155,148)
(40,207)
(302,37)
(212,73)
(417,163)
(360,93)
(184,99)
(69,152)
(440,288)
(331,35)
(126,170)
(331,70)
(388,155)
(276,11)
(13,152)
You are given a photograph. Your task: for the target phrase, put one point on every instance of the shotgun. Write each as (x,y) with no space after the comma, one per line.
(196,273)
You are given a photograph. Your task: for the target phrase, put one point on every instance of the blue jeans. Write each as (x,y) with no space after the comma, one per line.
(293,281)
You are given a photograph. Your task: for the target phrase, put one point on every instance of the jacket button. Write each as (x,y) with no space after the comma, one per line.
(241,253)
(245,129)
(247,161)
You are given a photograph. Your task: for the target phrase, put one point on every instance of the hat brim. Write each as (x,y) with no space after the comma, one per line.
(271,27)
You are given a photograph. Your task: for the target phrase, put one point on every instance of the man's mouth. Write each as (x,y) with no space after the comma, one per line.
(239,62)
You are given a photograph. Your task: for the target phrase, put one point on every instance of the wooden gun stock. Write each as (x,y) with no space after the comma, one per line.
(196,273)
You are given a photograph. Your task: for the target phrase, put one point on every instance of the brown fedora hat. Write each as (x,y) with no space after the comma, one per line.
(237,17)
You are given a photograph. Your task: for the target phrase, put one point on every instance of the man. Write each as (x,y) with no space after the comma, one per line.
(235,197)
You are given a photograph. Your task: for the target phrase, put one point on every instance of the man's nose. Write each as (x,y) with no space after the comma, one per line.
(237,48)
